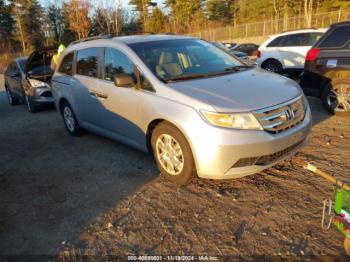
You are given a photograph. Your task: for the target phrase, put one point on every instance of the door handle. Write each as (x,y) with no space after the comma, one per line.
(93,94)
(102,96)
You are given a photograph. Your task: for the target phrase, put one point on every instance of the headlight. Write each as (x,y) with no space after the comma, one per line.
(36,83)
(234,120)
(305,102)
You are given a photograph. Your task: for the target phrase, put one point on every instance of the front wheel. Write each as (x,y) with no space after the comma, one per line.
(12,100)
(336,97)
(172,154)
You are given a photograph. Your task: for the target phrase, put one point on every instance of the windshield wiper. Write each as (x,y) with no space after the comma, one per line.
(193,76)
(237,68)
(185,77)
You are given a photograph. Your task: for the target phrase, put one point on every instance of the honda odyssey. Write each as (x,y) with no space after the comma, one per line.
(198,109)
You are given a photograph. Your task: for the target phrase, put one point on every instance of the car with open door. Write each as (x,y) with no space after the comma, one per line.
(28,79)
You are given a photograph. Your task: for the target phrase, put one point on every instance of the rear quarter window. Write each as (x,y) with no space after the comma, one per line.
(301,39)
(276,42)
(337,37)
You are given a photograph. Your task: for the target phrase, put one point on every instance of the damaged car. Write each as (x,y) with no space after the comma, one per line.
(27,79)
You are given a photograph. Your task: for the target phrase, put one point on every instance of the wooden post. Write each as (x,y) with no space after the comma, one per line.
(264,28)
(330,178)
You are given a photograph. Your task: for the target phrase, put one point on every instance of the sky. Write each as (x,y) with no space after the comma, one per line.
(125,3)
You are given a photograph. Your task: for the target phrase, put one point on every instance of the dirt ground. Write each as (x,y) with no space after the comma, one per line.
(67,196)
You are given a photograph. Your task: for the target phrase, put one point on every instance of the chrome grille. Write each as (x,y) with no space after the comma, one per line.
(282,117)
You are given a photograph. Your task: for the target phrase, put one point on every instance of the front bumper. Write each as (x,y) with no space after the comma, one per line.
(217,151)
(42,96)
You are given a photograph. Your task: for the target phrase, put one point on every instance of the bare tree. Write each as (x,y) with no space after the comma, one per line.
(77,16)
(308,8)
(17,9)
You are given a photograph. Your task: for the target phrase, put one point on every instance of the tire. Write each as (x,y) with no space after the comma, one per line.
(166,140)
(70,121)
(335,96)
(273,66)
(12,100)
(31,107)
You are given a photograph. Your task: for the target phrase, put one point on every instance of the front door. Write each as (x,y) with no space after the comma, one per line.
(121,109)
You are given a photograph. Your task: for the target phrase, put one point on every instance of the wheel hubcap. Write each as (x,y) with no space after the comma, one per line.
(169,154)
(9,95)
(69,119)
(339,98)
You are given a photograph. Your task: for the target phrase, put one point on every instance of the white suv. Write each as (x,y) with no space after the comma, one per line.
(285,53)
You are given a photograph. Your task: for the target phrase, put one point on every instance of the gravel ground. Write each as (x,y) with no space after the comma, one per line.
(66,196)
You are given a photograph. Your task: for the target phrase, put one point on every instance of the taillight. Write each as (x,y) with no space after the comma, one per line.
(258,54)
(312,54)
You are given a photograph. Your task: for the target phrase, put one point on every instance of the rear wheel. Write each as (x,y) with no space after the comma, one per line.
(12,100)
(172,154)
(70,120)
(336,97)
(273,66)
(30,105)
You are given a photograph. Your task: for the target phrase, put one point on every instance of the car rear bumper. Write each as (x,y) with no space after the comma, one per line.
(228,154)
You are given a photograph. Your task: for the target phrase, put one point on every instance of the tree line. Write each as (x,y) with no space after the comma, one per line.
(26,24)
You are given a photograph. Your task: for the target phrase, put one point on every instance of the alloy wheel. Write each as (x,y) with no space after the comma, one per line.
(69,118)
(169,154)
(338,98)
(271,67)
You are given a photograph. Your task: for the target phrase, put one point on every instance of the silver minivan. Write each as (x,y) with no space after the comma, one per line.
(199,110)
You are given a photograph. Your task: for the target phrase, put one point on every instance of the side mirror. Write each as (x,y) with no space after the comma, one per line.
(124,80)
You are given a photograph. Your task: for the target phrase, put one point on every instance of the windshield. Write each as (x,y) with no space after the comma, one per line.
(22,62)
(173,60)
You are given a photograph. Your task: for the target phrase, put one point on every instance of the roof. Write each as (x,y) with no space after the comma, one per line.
(341,23)
(322,30)
(148,38)
(130,39)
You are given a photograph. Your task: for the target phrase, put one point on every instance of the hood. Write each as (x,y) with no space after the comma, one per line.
(38,64)
(247,90)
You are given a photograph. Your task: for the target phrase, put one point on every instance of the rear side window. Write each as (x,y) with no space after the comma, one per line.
(66,66)
(276,42)
(116,63)
(338,37)
(297,40)
(87,62)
